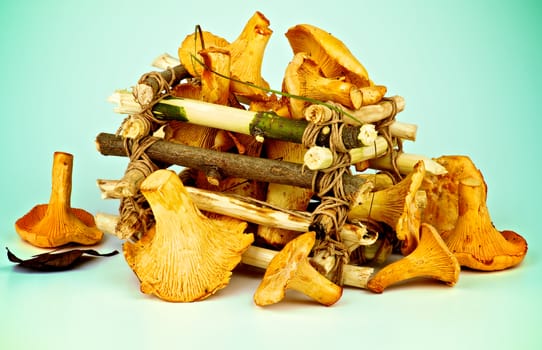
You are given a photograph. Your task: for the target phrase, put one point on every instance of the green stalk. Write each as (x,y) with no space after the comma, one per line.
(259,124)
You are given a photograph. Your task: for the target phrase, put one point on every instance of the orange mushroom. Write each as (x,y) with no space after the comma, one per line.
(191,46)
(474,240)
(397,206)
(247,53)
(430,259)
(332,56)
(57,223)
(186,256)
(302,78)
(291,269)
(442,190)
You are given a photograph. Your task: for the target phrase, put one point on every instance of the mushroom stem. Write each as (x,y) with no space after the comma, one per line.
(61,181)
(311,283)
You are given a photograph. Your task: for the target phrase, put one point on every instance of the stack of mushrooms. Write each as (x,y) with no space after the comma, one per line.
(310,184)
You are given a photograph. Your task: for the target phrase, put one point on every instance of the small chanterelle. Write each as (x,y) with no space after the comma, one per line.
(309,184)
(57,223)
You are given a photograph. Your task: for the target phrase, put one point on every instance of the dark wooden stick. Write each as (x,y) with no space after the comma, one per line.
(149,88)
(228,164)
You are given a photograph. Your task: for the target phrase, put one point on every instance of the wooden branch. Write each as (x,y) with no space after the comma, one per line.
(247,209)
(246,167)
(150,87)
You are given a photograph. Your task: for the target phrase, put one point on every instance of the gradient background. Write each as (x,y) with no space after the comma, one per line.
(469,71)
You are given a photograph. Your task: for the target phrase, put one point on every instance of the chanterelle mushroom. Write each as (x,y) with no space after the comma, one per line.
(291,269)
(474,240)
(430,259)
(247,53)
(191,46)
(333,57)
(187,256)
(57,223)
(302,78)
(442,190)
(396,206)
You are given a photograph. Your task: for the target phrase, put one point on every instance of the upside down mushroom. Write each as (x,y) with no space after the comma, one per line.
(291,269)
(57,223)
(186,256)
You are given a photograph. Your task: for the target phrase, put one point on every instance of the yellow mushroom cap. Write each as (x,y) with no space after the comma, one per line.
(187,256)
(191,46)
(331,54)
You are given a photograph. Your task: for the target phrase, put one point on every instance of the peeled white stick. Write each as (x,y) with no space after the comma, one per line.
(318,158)
(220,203)
(405,163)
(404,131)
(165,61)
(353,276)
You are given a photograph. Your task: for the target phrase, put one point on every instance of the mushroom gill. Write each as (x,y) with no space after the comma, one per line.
(186,256)
(430,259)
(57,223)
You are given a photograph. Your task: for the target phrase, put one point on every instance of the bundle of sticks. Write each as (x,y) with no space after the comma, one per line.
(324,156)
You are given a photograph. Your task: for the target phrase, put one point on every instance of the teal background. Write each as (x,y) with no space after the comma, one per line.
(469,71)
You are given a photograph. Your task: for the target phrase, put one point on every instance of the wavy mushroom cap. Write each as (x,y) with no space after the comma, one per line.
(474,240)
(192,44)
(331,54)
(187,256)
